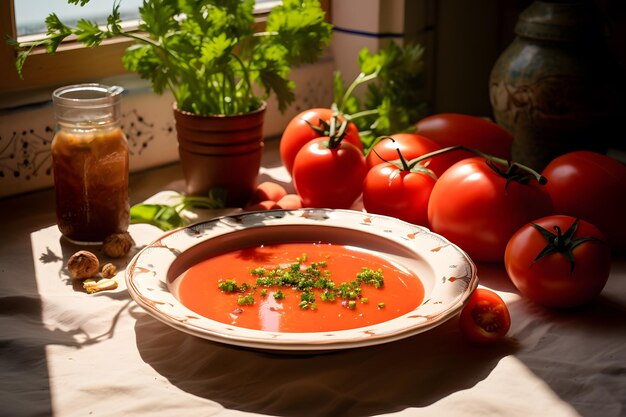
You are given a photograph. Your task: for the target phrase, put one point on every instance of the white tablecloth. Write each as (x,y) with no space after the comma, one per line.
(67,353)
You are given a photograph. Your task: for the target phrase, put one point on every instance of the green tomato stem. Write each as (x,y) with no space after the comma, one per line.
(540,178)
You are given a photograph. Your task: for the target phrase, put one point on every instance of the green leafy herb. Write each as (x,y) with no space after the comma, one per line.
(371,277)
(392,102)
(207,53)
(246,300)
(230,285)
(160,215)
(169,216)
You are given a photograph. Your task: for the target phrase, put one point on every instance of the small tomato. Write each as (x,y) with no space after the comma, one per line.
(485,318)
(327,176)
(398,192)
(411,146)
(299,132)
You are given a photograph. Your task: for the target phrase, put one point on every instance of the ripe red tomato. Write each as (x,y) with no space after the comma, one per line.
(412,146)
(451,129)
(298,133)
(398,193)
(552,280)
(485,318)
(473,206)
(592,187)
(329,178)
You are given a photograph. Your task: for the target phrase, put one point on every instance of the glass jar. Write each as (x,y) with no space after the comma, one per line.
(90,163)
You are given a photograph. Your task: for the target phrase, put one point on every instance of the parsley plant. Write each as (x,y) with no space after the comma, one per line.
(207,52)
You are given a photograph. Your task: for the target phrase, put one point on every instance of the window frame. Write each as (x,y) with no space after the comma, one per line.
(42,70)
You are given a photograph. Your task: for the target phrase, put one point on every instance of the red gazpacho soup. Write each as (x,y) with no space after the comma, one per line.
(300,287)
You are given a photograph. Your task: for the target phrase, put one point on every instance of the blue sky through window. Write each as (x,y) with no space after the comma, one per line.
(30,15)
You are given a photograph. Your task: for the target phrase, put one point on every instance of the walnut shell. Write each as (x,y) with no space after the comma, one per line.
(117,244)
(83,264)
(108,271)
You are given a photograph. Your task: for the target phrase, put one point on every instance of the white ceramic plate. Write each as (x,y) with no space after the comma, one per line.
(447,273)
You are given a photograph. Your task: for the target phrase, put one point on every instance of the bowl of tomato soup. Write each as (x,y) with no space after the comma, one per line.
(307,279)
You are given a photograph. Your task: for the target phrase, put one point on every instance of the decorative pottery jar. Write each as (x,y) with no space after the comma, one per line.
(552,87)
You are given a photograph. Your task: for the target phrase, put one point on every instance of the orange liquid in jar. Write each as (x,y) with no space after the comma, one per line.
(91,183)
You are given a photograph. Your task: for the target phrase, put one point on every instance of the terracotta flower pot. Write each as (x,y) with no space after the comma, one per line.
(221,152)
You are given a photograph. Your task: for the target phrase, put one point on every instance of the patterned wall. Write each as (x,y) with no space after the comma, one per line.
(147,120)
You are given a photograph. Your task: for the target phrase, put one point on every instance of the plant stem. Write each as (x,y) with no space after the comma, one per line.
(363,113)
(246,78)
(150,42)
(540,178)
(360,79)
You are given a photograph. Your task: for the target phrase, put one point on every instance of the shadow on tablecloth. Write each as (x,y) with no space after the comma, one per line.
(413,372)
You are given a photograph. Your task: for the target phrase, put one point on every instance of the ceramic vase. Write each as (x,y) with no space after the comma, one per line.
(553,87)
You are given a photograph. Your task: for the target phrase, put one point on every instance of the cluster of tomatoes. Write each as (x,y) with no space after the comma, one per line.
(554,237)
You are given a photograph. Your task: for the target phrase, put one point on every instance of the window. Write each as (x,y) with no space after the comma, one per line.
(30,15)
(73,62)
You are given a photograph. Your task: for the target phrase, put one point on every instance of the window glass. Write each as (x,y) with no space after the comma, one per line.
(30,15)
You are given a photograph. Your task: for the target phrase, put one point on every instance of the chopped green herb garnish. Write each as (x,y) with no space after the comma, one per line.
(245,300)
(306,279)
(259,272)
(369,276)
(230,285)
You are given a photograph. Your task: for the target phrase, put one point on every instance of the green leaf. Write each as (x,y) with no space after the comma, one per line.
(57,31)
(88,33)
(158,18)
(163,216)
(144,60)
(300,27)
(216,51)
(394,93)
(114,20)
(279,85)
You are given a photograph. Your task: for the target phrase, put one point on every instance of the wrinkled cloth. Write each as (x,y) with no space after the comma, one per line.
(64,352)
